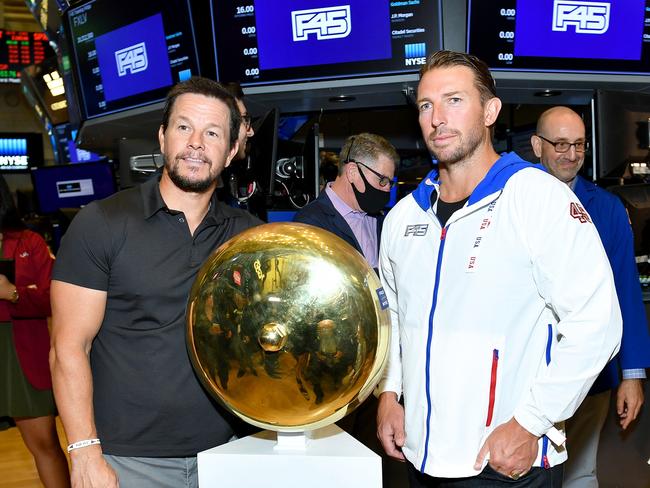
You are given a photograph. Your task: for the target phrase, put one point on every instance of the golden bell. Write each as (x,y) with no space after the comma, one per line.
(288,327)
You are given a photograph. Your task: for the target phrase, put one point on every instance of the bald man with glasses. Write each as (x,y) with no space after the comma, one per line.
(560,144)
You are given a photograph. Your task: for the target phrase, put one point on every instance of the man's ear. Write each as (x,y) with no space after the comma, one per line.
(536,142)
(161,139)
(491,111)
(232,154)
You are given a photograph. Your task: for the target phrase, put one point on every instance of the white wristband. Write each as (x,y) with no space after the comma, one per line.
(84,443)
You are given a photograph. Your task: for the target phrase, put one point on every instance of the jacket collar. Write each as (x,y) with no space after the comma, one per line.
(495,179)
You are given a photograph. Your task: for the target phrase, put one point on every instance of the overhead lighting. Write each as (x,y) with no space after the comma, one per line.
(54,83)
(548,93)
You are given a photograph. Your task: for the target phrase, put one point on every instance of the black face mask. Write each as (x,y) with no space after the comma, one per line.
(371,201)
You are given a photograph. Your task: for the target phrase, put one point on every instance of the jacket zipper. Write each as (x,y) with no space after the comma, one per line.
(493,386)
(443,235)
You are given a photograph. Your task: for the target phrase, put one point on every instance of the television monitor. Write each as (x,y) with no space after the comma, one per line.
(622,128)
(560,35)
(63,139)
(19,49)
(128,54)
(271,42)
(20,151)
(72,185)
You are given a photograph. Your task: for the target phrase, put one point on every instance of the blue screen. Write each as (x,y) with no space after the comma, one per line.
(133,59)
(576,29)
(321,32)
(579,36)
(72,185)
(127,54)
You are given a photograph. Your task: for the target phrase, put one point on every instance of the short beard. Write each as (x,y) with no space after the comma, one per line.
(465,149)
(189,185)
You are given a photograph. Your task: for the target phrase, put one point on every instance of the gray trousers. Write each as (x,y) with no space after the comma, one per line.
(583,437)
(144,472)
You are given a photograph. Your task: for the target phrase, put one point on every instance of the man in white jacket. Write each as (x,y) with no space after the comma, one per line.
(502,301)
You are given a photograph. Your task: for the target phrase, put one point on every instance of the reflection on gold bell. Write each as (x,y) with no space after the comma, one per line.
(288,327)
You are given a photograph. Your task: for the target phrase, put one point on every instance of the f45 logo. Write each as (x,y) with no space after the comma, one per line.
(585,17)
(577,212)
(131,59)
(416,230)
(326,23)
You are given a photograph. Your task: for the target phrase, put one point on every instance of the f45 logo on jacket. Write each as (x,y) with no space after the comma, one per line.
(579,213)
(416,230)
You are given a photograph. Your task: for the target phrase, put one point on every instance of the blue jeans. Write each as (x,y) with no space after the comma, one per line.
(144,472)
(489,478)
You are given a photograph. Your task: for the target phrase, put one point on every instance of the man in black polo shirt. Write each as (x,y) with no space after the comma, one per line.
(131,405)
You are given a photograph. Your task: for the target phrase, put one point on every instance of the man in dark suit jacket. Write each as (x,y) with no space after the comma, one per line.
(351,207)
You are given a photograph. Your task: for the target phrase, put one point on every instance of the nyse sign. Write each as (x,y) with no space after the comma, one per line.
(585,17)
(131,59)
(326,23)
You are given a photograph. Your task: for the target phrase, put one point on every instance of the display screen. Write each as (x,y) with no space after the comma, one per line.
(72,185)
(20,151)
(128,54)
(261,42)
(19,49)
(561,35)
(68,152)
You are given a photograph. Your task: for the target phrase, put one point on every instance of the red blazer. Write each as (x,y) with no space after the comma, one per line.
(29,315)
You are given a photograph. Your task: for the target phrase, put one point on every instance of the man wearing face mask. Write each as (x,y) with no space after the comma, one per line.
(351,205)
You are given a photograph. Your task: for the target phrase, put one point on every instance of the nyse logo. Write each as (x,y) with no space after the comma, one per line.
(131,59)
(415,54)
(326,23)
(585,17)
(416,230)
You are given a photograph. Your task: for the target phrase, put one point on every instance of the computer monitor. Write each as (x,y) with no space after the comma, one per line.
(267,43)
(128,54)
(72,185)
(560,36)
(20,151)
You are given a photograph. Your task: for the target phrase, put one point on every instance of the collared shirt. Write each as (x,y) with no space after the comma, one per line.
(147,398)
(364,226)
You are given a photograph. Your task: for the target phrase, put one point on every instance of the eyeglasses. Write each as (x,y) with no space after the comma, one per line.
(563,146)
(246,119)
(383,179)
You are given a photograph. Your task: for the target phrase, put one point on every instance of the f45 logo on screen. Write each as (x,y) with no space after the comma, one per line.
(326,23)
(131,59)
(585,17)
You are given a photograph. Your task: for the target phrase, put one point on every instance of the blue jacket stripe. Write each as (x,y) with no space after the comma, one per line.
(429,339)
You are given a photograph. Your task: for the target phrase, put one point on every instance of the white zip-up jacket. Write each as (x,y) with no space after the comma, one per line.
(510,310)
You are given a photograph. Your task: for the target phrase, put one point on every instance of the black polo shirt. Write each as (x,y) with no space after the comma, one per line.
(147,400)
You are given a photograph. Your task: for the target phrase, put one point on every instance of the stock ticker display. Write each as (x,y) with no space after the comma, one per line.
(131,59)
(561,35)
(276,41)
(19,49)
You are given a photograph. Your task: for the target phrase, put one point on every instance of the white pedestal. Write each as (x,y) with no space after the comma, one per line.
(332,458)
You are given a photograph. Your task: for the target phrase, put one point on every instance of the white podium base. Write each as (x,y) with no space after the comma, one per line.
(331,458)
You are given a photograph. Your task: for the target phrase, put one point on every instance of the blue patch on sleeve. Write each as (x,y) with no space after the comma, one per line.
(383,301)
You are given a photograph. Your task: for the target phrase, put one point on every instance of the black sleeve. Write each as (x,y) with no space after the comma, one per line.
(83,258)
